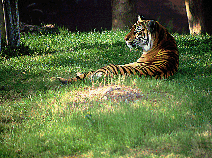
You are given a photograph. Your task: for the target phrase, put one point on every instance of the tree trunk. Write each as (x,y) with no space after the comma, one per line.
(199,16)
(12,22)
(1,23)
(124,14)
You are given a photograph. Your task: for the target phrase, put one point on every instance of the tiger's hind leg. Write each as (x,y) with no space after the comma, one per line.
(135,64)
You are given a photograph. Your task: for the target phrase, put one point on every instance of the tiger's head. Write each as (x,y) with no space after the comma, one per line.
(141,34)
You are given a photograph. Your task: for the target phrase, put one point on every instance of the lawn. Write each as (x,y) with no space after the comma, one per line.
(112,117)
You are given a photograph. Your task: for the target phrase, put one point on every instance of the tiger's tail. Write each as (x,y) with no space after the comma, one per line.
(78,77)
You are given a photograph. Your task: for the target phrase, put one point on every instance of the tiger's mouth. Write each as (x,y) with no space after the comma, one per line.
(137,43)
(130,44)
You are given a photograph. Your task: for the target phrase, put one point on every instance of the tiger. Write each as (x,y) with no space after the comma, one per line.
(159,59)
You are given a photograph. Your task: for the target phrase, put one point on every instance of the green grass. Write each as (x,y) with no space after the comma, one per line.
(39,117)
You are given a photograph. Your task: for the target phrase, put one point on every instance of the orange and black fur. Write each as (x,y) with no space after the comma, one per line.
(160,57)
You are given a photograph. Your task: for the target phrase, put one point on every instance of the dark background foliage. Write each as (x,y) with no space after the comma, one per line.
(86,15)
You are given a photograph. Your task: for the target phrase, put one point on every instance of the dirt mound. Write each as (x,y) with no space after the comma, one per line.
(115,93)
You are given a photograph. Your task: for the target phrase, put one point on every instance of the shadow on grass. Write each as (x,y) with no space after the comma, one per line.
(195,71)
(21,50)
(16,84)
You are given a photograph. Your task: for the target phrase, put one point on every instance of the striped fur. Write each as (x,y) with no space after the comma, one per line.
(160,57)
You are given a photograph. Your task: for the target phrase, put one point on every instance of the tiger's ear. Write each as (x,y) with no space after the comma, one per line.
(141,18)
(151,25)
